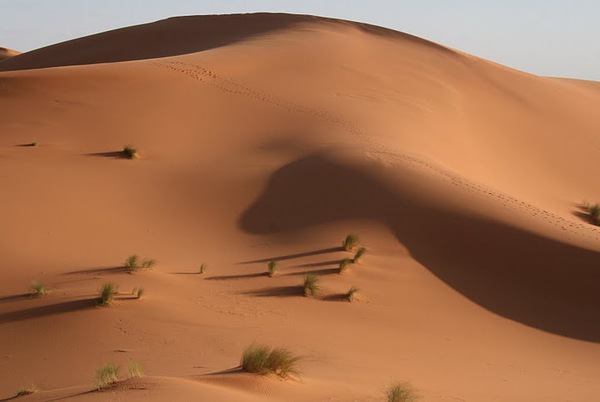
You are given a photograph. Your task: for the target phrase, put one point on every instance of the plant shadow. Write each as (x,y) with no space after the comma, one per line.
(48,310)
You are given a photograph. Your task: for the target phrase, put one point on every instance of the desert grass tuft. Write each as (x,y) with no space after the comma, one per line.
(27,391)
(350,242)
(401,392)
(272,268)
(135,369)
(344,264)
(138,292)
(594,211)
(130,152)
(107,375)
(264,360)
(108,291)
(311,285)
(203,268)
(38,289)
(148,263)
(351,295)
(132,263)
(361,251)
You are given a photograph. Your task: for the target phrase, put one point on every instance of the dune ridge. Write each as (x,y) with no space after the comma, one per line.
(270,137)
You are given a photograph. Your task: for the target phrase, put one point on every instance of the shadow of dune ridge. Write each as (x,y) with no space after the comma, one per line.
(522,276)
(178,36)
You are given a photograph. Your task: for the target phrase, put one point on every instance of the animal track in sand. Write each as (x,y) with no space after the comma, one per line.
(385,153)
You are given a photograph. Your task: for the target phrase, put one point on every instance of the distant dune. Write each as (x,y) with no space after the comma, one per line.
(265,137)
(7,53)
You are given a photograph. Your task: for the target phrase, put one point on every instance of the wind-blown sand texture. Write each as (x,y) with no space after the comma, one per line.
(271,137)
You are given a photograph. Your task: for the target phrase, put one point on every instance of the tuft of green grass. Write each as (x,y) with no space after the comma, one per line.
(361,251)
(38,289)
(272,268)
(135,369)
(108,291)
(148,263)
(351,295)
(594,211)
(263,360)
(350,242)
(401,392)
(311,285)
(132,263)
(26,391)
(203,268)
(344,264)
(130,152)
(107,375)
(138,292)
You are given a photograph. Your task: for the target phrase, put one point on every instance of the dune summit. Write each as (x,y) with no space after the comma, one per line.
(6,53)
(210,146)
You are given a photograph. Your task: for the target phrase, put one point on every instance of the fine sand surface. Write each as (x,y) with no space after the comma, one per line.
(270,137)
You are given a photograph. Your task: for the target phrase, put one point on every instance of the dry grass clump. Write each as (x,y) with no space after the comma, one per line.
(264,360)
(351,295)
(135,369)
(26,391)
(130,152)
(311,285)
(350,242)
(272,268)
(138,293)
(108,291)
(132,263)
(594,211)
(344,264)
(38,289)
(203,268)
(106,375)
(361,251)
(401,392)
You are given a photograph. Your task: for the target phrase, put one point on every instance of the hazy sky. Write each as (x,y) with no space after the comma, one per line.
(546,37)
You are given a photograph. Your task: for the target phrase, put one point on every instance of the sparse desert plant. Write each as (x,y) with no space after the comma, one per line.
(272,268)
(107,375)
(361,251)
(351,295)
(344,264)
(264,360)
(594,211)
(132,263)
(27,391)
(311,285)
(135,369)
(148,263)
(138,292)
(38,289)
(401,392)
(203,268)
(33,144)
(130,152)
(108,291)
(350,242)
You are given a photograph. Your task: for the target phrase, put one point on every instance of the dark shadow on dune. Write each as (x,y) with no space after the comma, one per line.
(178,36)
(48,310)
(277,291)
(298,255)
(318,264)
(338,297)
(327,271)
(113,155)
(96,271)
(531,279)
(8,299)
(243,276)
(27,145)
(233,370)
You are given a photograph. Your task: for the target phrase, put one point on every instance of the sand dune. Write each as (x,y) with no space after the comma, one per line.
(6,53)
(270,137)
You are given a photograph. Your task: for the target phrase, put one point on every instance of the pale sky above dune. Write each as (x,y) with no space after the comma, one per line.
(546,37)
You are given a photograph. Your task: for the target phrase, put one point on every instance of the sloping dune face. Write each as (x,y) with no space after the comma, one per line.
(6,53)
(270,137)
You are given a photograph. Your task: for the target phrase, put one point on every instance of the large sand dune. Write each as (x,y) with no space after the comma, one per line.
(272,136)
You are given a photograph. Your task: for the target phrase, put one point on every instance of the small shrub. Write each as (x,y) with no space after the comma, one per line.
(311,285)
(138,293)
(26,391)
(108,291)
(130,152)
(264,360)
(38,289)
(594,211)
(135,369)
(107,375)
(132,263)
(350,242)
(344,264)
(203,268)
(351,295)
(148,263)
(272,268)
(33,144)
(401,392)
(361,251)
